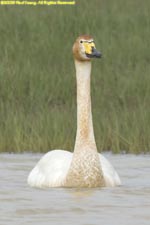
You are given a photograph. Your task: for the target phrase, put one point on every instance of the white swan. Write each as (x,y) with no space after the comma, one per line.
(85,167)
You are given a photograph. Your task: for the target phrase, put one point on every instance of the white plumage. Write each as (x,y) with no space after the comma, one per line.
(51,170)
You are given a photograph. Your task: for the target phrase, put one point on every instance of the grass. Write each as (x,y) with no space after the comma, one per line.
(37,76)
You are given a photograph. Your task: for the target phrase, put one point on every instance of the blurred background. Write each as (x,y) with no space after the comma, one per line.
(37,75)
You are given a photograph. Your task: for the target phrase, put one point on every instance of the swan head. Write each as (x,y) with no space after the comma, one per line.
(84,49)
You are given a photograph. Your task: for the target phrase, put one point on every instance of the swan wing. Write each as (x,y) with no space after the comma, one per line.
(51,170)
(110,175)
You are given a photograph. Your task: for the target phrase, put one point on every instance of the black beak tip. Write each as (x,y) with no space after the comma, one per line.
(95,53)
(99,55)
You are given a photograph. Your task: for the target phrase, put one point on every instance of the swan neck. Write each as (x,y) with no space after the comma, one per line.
(85,133)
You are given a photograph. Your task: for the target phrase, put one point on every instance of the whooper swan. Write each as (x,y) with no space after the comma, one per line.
(85,167)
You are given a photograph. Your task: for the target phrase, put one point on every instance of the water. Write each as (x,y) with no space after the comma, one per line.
(125,205)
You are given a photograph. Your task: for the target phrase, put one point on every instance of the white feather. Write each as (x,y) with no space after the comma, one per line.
(110,175)
(51,170)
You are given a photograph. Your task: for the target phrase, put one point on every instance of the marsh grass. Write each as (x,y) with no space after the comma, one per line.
(37,77)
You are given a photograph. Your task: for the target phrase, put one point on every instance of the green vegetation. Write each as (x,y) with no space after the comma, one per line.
(37,76)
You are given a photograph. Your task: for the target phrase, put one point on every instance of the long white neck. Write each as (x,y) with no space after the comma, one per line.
(85,134)
(85,169)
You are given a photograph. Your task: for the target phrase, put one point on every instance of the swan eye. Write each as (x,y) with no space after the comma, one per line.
(81,41)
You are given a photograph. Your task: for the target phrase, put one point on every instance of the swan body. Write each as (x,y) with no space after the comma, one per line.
(85,167)
(51,170)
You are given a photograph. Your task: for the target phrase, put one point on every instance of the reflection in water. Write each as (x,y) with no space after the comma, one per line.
(80,193)
(126,205)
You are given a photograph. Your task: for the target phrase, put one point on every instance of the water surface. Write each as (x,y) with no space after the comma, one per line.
(128,204)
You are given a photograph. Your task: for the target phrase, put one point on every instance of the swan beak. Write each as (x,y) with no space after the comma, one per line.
(94,53)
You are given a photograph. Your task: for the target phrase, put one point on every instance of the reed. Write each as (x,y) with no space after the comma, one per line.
(37,76)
